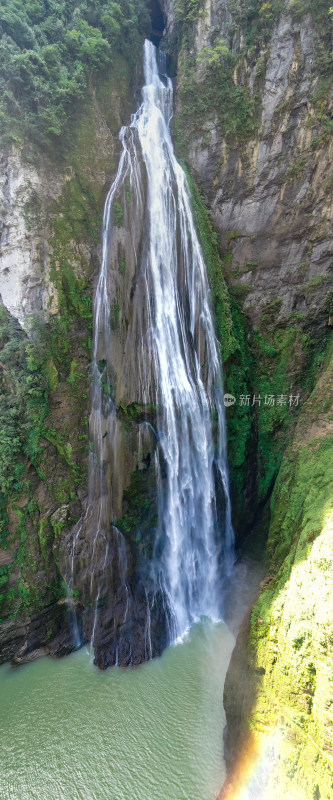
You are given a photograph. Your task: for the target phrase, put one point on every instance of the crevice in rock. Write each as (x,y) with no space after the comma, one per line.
(157,22)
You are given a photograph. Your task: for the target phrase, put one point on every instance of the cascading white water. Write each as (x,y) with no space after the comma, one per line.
(179,368)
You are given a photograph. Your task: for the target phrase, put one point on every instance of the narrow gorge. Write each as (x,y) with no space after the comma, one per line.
(166,375)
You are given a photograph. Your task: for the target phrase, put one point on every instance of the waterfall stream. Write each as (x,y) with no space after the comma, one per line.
(178,370)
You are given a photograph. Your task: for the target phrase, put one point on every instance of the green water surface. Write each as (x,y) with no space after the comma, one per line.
(155,732)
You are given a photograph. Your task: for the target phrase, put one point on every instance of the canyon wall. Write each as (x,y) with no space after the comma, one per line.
(52,206)
(253,124)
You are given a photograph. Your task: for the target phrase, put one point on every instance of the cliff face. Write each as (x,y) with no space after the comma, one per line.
(253,122)
(51,221)
(51,250)
(282,711)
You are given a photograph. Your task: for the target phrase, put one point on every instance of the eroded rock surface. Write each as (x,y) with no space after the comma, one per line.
(269,190)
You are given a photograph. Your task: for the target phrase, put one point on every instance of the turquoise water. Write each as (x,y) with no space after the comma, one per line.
(155,732)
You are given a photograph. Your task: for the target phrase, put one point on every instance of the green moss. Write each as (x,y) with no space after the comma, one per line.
(52,375)
(232,333)
(272,379)
(284,639)
(51,368)
(114,315)
(215,268)
(118,213)
(284,360)
(4,576)
(291,627)
(218,96)
(24,394)
(306,288)
(296,168)
(301,498)
(241,291)
(238,382)
(112,85)
(138,412)
(139,520)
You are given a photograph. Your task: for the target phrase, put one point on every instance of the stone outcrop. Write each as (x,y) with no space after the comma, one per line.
(25,284)
(274,197)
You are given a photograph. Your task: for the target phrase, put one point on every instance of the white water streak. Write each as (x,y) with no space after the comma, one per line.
(178,362)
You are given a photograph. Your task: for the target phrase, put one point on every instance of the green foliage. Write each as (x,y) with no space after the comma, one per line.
(256,19)
(273,366)
(48,52)
(217,94)
(230,326)
(4,576)
(213,82)
(76,218)
(138,412)
(283,360)
(296,168)
(57,354)
(187,11)
(321,121)
(114,315)
(300,500)
(23,400)
(291,624)
(240,418)
(319,10)
(213,56)
(139,521)
(118,213)
(31,368)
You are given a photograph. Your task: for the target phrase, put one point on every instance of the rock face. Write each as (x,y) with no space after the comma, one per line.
(57,589)
(25,283)
(262,158)
(50,262)
(254,102)
(275,194)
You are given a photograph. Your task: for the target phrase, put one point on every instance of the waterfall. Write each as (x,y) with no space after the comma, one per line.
(178,370)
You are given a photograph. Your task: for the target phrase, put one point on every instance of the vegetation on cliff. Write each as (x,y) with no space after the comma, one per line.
(291,626)
(45,374)
(49,53)
(222,73)
(231,331)
(222,67)
(278,690)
